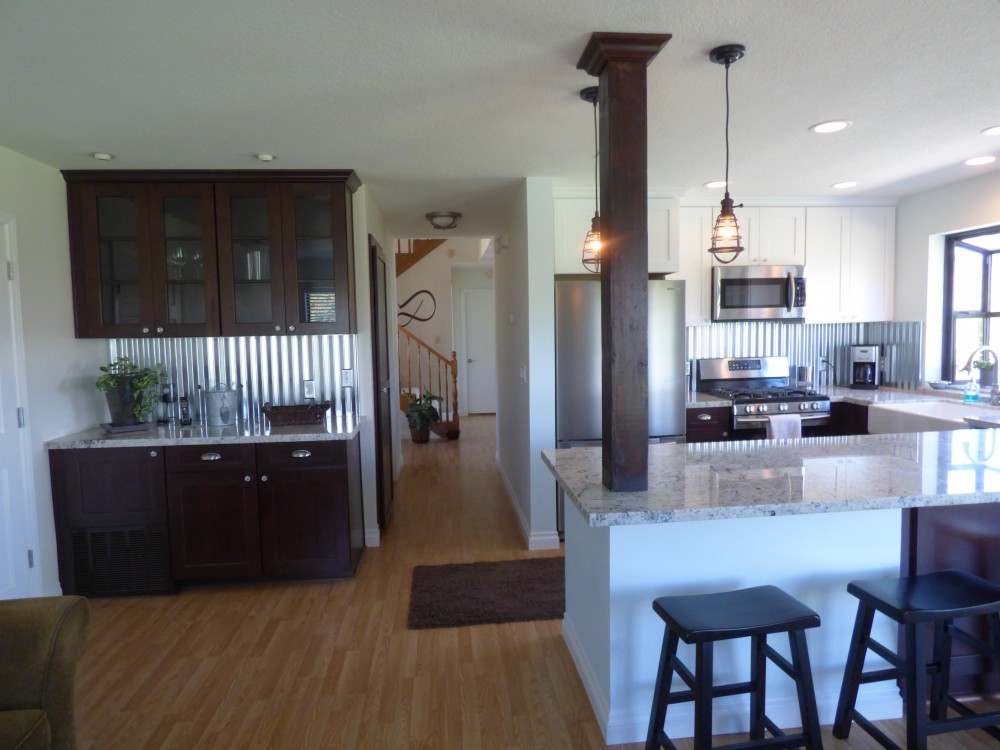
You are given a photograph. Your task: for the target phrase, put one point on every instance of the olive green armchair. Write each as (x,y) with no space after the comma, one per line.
(41,641)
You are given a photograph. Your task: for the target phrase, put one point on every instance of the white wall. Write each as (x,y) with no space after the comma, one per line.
(921,221)
(525,363)
(60,369)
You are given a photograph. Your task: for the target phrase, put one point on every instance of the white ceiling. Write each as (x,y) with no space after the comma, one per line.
(447,104)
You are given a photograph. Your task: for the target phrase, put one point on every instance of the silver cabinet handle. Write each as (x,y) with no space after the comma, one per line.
(145,329)
(248,478)
(263,477)
(277,328)
(159,329)
(210,457)
(301,454)
(152,454)
(704,417)
(291,328)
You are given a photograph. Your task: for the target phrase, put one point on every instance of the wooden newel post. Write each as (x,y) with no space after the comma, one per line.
(620,61)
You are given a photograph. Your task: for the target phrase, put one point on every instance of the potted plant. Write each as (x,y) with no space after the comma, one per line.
(131,390)
(987,372)
(421,413)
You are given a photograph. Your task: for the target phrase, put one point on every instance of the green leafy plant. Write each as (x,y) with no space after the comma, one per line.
(983,364)
(421,411)
(145,383)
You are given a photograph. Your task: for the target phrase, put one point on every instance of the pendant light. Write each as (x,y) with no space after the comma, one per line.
(592,244)
(726,233)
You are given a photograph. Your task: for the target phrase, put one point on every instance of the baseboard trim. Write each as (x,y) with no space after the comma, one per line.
(373,538)
(598,701)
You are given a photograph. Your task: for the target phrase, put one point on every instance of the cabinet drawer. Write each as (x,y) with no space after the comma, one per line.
(271,456)
(210,457)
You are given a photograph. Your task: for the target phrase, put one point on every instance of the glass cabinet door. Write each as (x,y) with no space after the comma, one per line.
(249,226)
(114,298)
(183,240)
(315,228)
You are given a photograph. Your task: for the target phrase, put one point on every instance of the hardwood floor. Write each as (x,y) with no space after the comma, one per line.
(331,665)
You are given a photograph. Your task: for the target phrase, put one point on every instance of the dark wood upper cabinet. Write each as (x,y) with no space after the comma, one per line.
(172,253)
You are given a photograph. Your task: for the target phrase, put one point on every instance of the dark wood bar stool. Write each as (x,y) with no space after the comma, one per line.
(703,619)
(915,603)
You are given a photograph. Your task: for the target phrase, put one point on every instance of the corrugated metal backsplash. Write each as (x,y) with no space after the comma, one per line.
(270,369)
(805,343)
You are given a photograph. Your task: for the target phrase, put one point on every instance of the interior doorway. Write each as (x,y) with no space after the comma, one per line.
(480,371)
(18,535)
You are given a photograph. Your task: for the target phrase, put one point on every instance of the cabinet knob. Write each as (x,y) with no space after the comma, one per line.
(725,434)
(159,329)
(248,478)
(210,457)
(152,454)
(277,329)
(704,417)
(291,328)
(145,329)
(263,477)
(301,454)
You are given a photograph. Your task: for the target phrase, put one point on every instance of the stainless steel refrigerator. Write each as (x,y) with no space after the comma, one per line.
(578,363)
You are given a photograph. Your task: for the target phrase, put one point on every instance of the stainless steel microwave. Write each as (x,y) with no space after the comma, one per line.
(758,293)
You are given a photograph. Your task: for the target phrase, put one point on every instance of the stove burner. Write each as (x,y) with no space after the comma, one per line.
(763,394)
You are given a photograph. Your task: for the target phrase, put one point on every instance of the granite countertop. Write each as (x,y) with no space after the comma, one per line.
(705,481)
(198,434)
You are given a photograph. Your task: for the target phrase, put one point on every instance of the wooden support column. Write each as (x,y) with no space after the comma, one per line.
(620,61)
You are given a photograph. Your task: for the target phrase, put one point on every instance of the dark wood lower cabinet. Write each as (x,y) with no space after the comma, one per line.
(135,520)
(708,424)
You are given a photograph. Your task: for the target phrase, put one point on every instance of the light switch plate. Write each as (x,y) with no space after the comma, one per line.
(347,378)
(308,389)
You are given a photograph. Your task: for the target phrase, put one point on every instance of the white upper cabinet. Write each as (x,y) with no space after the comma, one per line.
(850,264)
(771,236)
(696,263)
(572,222)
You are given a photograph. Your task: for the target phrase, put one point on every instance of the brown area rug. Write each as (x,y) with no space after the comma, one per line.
(449,596)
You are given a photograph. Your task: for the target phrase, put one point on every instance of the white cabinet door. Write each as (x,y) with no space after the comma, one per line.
(572,220)
(850,264)
(772,236)
(696,263)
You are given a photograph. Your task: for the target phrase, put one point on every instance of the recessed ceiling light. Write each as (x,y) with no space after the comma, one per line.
(978,161)
(995,130)
(716,184)
(843,185)
(102,156)
(266,157)
(830,126)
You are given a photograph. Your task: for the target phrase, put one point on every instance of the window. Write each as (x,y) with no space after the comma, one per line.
(971,298)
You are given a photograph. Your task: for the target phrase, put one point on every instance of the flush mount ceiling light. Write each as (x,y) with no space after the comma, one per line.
(265,157)
(716,184)
(995,130)
(592,243)
(443,219)
(843,185)
(830,126)
(102,156)
(978,161)
(726,238)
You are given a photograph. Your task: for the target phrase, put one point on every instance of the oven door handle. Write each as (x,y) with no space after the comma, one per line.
(790,292)
(805,417)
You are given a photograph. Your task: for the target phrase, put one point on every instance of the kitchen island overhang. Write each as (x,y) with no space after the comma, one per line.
(807,515)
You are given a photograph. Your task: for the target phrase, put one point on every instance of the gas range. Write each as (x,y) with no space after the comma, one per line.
(757,387)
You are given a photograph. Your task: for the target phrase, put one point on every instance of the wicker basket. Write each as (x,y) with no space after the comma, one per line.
(280,416)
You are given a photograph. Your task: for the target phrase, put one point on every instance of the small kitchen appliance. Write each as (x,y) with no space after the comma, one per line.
(864,367)
(757,388)
(759,293)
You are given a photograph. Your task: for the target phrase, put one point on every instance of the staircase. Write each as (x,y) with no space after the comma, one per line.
(422,368)
(415,251)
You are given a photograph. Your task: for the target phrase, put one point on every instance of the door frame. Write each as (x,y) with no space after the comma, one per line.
(8,239)
(383,476)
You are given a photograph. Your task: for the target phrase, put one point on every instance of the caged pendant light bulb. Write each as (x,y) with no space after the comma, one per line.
(592,244)
(726,239)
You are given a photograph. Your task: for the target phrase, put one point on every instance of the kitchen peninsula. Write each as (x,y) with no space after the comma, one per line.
(808,515)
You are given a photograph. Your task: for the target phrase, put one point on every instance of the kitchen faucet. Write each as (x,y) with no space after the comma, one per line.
(995,390)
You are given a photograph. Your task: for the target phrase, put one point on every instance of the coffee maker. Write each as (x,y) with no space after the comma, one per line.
(864,367)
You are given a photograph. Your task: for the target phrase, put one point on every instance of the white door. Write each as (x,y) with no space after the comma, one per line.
(17,533)
(480,351)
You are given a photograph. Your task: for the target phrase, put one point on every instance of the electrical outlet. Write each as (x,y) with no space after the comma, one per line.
(347,378)
(308,389)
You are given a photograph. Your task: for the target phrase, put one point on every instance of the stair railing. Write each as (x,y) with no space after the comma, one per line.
(422,368)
